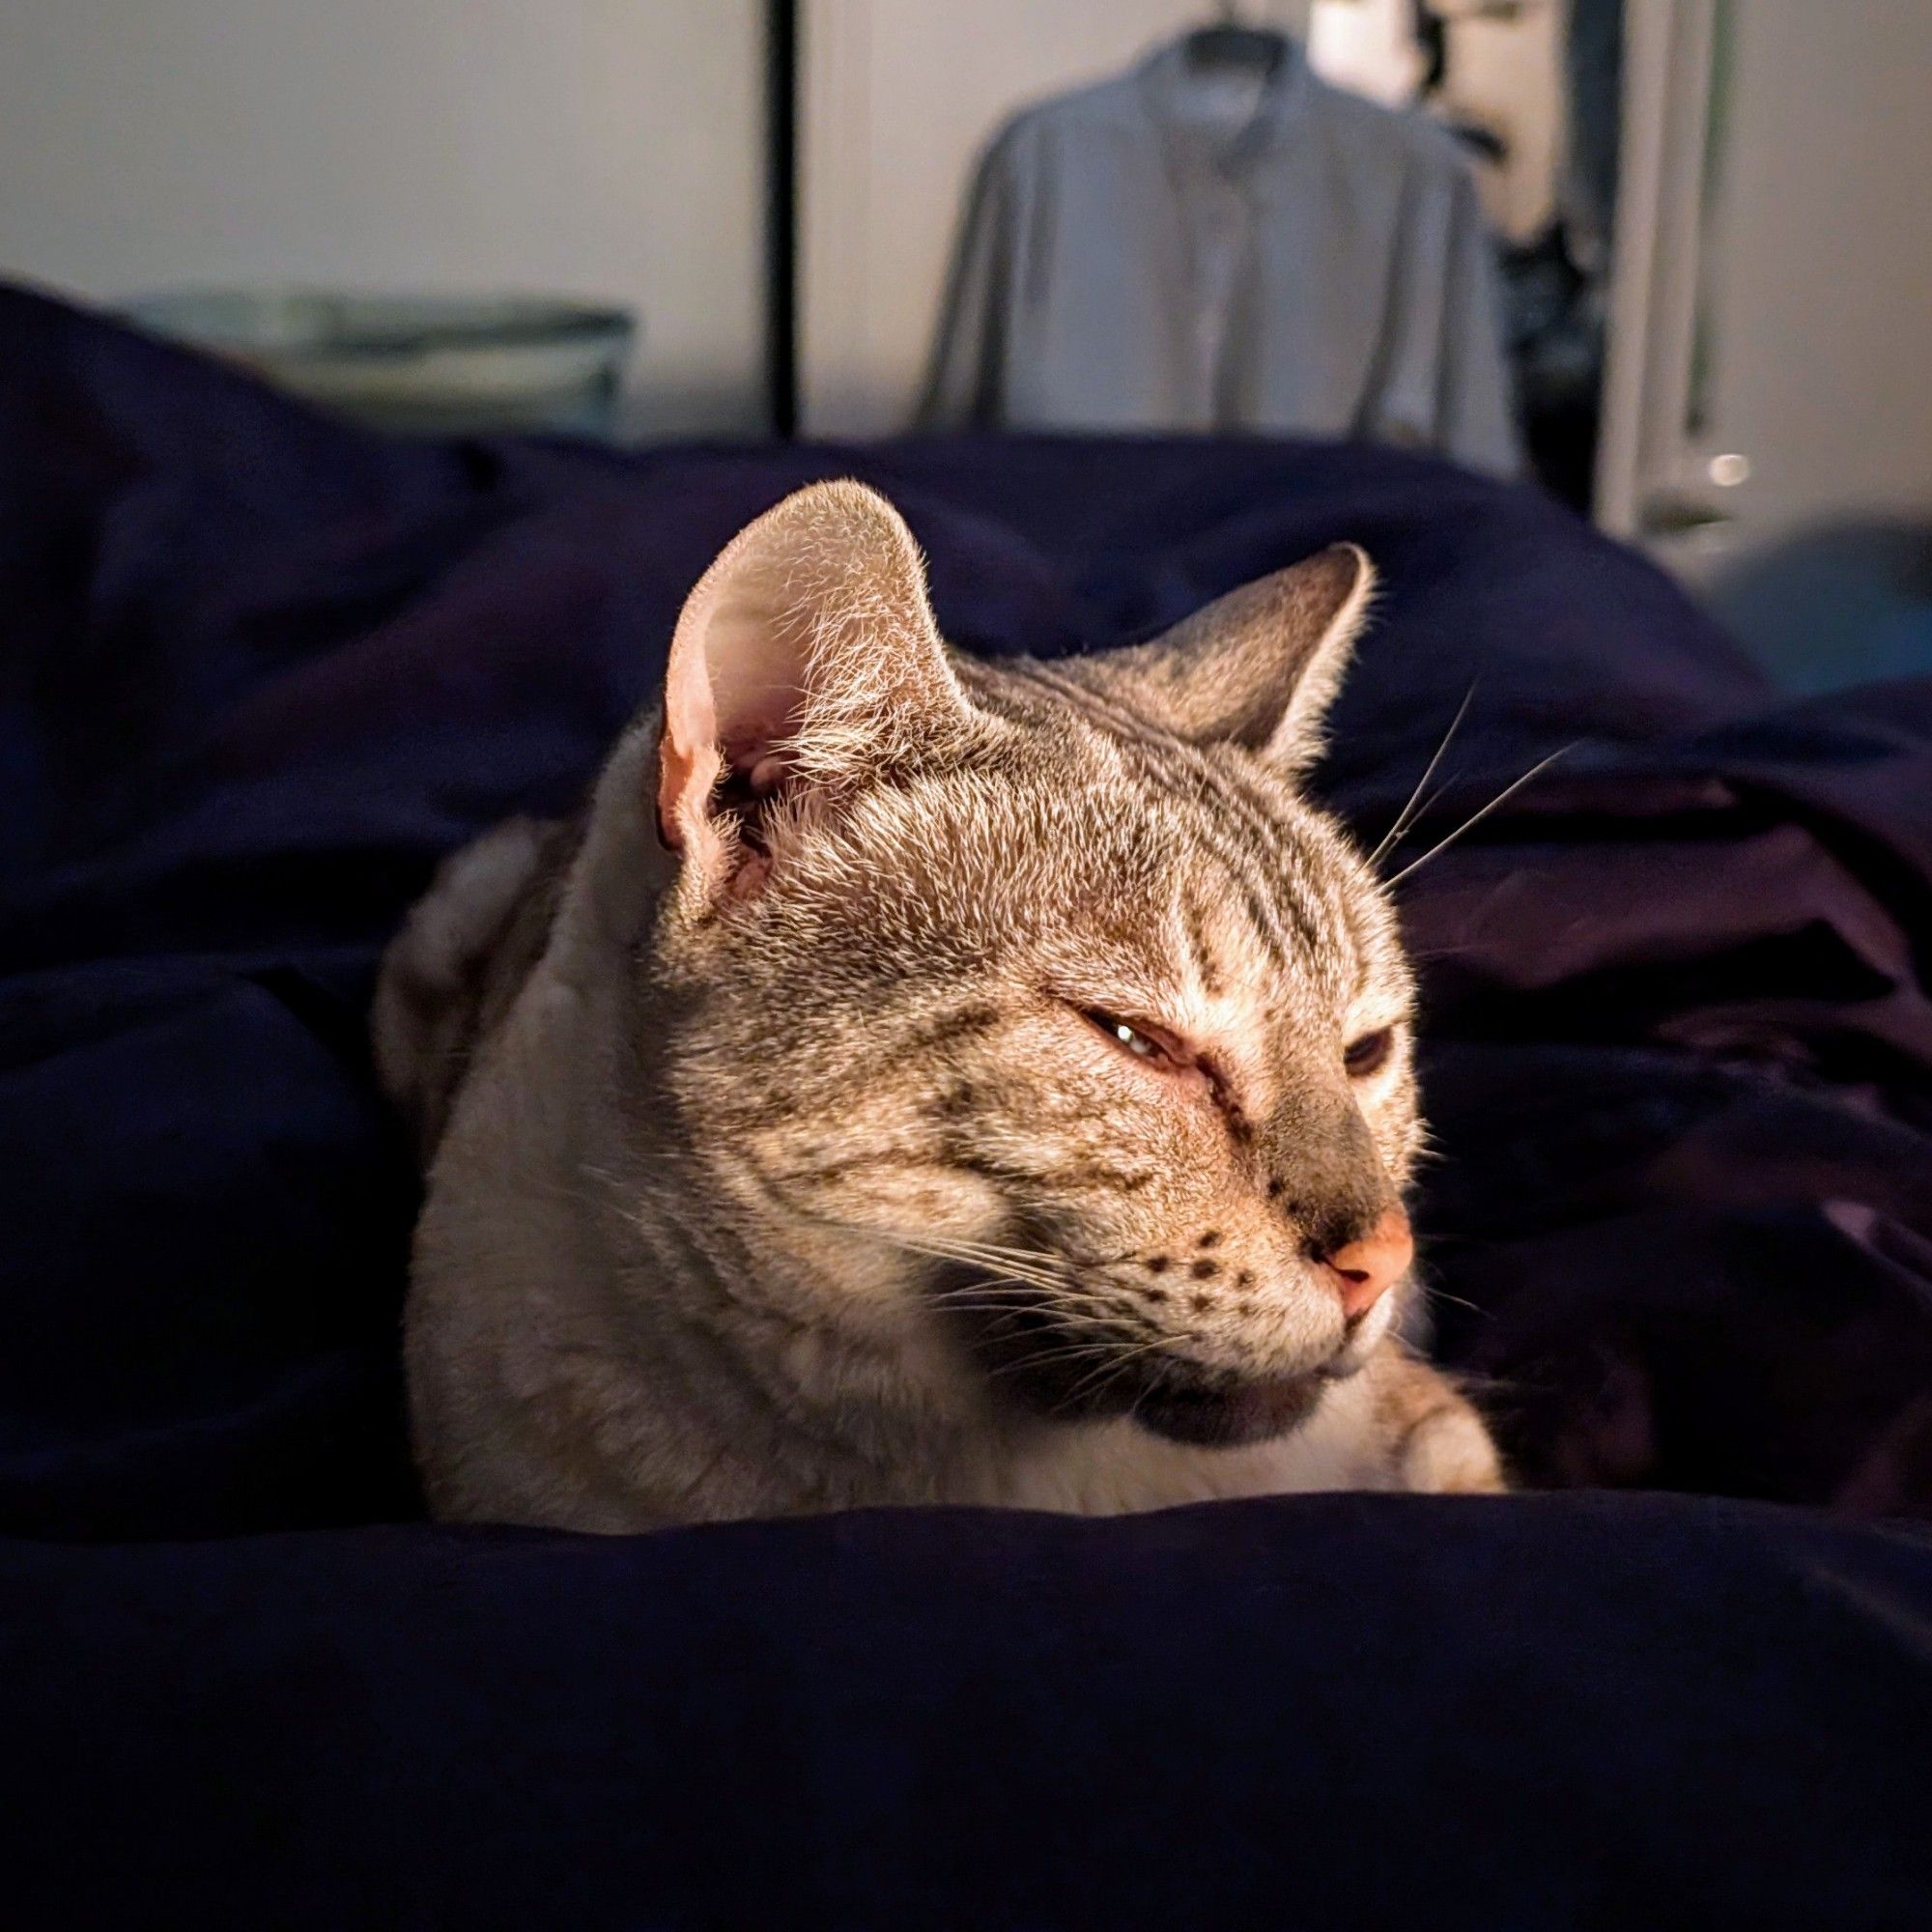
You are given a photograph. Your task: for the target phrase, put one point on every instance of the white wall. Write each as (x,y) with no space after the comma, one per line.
(603,148)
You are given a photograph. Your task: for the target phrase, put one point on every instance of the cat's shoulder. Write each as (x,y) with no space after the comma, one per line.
(462,957)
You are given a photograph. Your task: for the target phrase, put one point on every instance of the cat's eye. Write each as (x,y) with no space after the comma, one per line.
(1369,1054)
(1130,1039)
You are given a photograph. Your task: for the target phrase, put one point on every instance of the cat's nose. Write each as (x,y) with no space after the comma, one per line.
(1366,1268)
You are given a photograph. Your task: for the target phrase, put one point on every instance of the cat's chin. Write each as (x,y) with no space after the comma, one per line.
(1031,1365)
(1229,1418)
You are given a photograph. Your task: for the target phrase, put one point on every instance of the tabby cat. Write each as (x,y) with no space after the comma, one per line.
(916,1080)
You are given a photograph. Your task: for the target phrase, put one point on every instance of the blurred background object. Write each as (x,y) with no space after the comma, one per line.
(601,152)
(425,366)
(1710,257)
(1217,238)
(1767,425)
(888,152)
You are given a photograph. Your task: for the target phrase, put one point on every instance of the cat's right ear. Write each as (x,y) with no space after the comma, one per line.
(805,663)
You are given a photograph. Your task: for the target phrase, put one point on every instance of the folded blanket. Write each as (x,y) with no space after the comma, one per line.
(1331,1711)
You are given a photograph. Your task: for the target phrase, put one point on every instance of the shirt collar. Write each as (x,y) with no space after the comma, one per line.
(1188,104)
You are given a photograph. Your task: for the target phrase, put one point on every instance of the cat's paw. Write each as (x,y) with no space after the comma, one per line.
(1448,1452)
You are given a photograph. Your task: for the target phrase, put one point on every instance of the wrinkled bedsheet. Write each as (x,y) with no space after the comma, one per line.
(259,670)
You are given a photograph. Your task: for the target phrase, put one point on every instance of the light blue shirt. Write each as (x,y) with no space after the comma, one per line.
(1187,250)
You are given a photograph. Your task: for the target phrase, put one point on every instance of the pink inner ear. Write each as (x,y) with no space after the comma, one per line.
(688,760)
(731,695)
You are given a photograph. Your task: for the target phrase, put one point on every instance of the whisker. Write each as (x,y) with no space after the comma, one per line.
(1020,1260)
(1116,1371)
(1031,1269)
(992,1249)
(1118,1364)
(1039,1357)
(1476,819)
(1034,1296)
(1035,1276)
(1409,814)
(944,1247)
(1002,1306)
(1029,1262)
(983,1294)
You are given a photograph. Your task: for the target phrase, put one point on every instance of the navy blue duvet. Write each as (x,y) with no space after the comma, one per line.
(258,672)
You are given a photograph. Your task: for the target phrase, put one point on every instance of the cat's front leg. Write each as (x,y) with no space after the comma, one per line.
(1435,1442)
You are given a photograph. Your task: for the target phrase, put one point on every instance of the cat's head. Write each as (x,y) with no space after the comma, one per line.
(1029,1008)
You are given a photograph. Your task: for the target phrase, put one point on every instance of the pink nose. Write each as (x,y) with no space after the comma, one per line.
(1365,1270)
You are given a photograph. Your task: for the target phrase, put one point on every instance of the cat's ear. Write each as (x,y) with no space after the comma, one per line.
(806,657)
(1257,667)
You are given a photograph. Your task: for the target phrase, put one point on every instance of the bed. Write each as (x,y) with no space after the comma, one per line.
(262,670)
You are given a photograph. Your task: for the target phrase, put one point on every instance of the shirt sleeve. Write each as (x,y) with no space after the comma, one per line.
(1476,411)
(1442,380)
(965,374)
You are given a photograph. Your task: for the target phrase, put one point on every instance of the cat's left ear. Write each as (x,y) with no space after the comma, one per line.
(1257,667)
(807,660)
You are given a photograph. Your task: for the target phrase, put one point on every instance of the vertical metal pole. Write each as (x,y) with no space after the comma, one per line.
(1644,445)
(782,215)
(1649,34)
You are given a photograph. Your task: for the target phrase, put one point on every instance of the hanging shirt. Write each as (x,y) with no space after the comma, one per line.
(1196,250)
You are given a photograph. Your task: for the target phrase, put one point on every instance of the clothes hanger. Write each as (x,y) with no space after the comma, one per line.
(1230,46)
